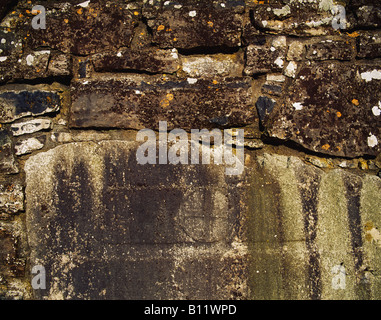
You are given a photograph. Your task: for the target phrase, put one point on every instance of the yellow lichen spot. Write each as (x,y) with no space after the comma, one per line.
(174,39)
(160,28)
(136,13)
(27,11)
(170,96)
(20,15)
(66,20)
(210,24)
(80,11)
(355,102)
(368,226)
(326,147)
(215,81)
(338,113)
(353,34)
(38,70)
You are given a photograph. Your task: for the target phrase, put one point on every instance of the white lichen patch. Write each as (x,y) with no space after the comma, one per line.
(84,4)
(29,59)
(372,141)
(298,105)
(192,80)
(371,75)
(192,13)
(2,59)
(377,109)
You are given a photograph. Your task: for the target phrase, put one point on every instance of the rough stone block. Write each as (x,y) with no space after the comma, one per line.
(295,18)
(192,24)
(84,29)
(30,126)
(8,163)
(369,44)
(29,145)
(267,58)
(209,66)
(11,198)
(324,116)
(17,101)
(331,50)
(152,60)
(133,231)
(138,102)
(305,225)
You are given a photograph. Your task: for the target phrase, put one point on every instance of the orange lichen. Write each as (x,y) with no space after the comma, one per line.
(338,113)
(80,11)
(326,147)
(355,102)
(160,28)
(353,34)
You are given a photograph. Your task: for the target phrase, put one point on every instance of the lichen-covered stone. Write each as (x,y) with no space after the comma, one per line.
(331,50)
(30,126)
(11,199)
(267,58)
(209,66)
(138,102)
(8,164)
(83,29)
(152,60)
(17,101)
(192,24)
(369,44)
(29,145)
(325,116)
(295,18)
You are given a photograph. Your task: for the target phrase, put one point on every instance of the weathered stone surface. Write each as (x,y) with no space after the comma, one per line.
(5,5)
(192,24)
(10,264)
(217,65)
(367,15)
(324,116)
(369,44)
(152,60)
(8,164)
(11,199)
(139,102)
(30,126)
(296,50)
(17,101)
(331,50)
(303,223)
(106,227)
(81,29)
(29,145)
(267,58)
(295,17)
(34,65)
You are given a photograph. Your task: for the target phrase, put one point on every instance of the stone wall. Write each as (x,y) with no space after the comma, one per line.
(301,220)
